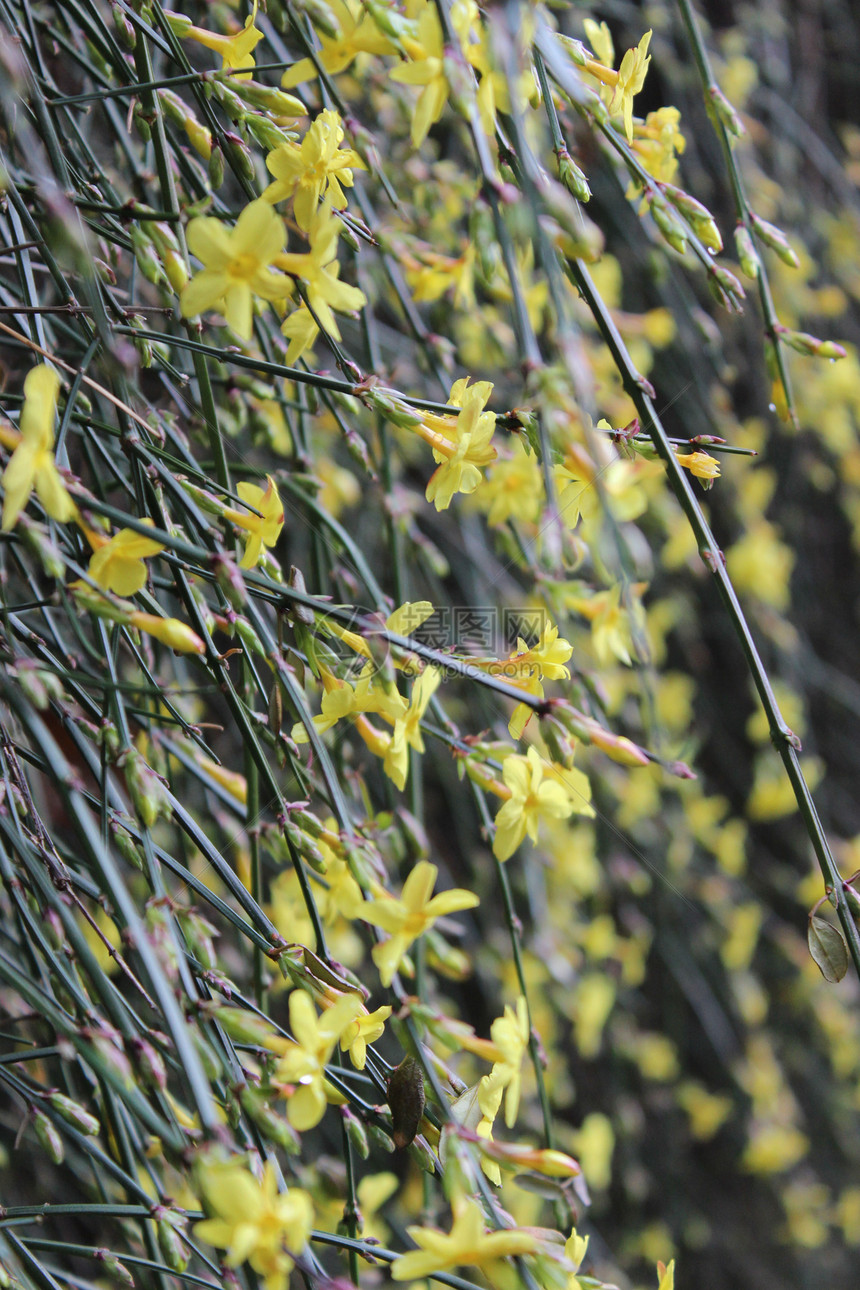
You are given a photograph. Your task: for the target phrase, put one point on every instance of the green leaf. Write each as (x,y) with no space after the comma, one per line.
(827,946)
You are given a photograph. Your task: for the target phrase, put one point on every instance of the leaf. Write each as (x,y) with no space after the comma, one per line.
(827,946)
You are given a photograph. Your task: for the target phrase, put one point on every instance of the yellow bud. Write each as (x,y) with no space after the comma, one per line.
(170,631)
(199,137)
(175,268)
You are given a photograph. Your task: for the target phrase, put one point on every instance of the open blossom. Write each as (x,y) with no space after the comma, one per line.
(117,564)
(32,463)
(357,34)
(319,270)
(312,169)
(621,87)
(426,68)
(364,1029)
(407,728)
(263,529)
(534,796)
(631,78)
(510,1034)
(236,265)
(408,918)
(468,1244)
(462,447)
(303,1063)
(514,488)
(236,50)
(252,1221)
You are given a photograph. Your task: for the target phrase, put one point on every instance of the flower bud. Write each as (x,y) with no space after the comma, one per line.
(775,239)
(113,1267)
(322,17)
(242,1026)
(144,253)
(198,933)
(49,1137)
(240,156)
(170,631)
(216,167)
(266,132)
(124,29)
(73,1113)
(356,1132)
(248,636)
(804,343)
(126,845)
(274,1127)
(173,1249)
(725,287)
(147,790)
(571,176)
(149,1064)
(671,228)
(36,539)
(725,113)
(380,1138)
(209,1059)
(746,252)
(698,216)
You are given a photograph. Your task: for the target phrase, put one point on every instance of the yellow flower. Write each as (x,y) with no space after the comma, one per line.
(236,265)
(574,1251)
(342,700)
(252,1221)
(547,658)
(319,270)
(467,1245)
(357,34)
(434,274)
(235,50)
(463,446)
(32,463)
(301,331)
(666,1275)
(117,565)
(407,728)
(510,1034)
(408,918)
(365,1029)
(700,464)
(304,1062)
(514,488)
(308,170)
(622,86)
(532,798)
(427,68)
(263,529)
(631,78)
(658,142)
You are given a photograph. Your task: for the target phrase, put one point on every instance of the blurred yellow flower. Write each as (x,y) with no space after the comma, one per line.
(32,463)
(252,1221)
